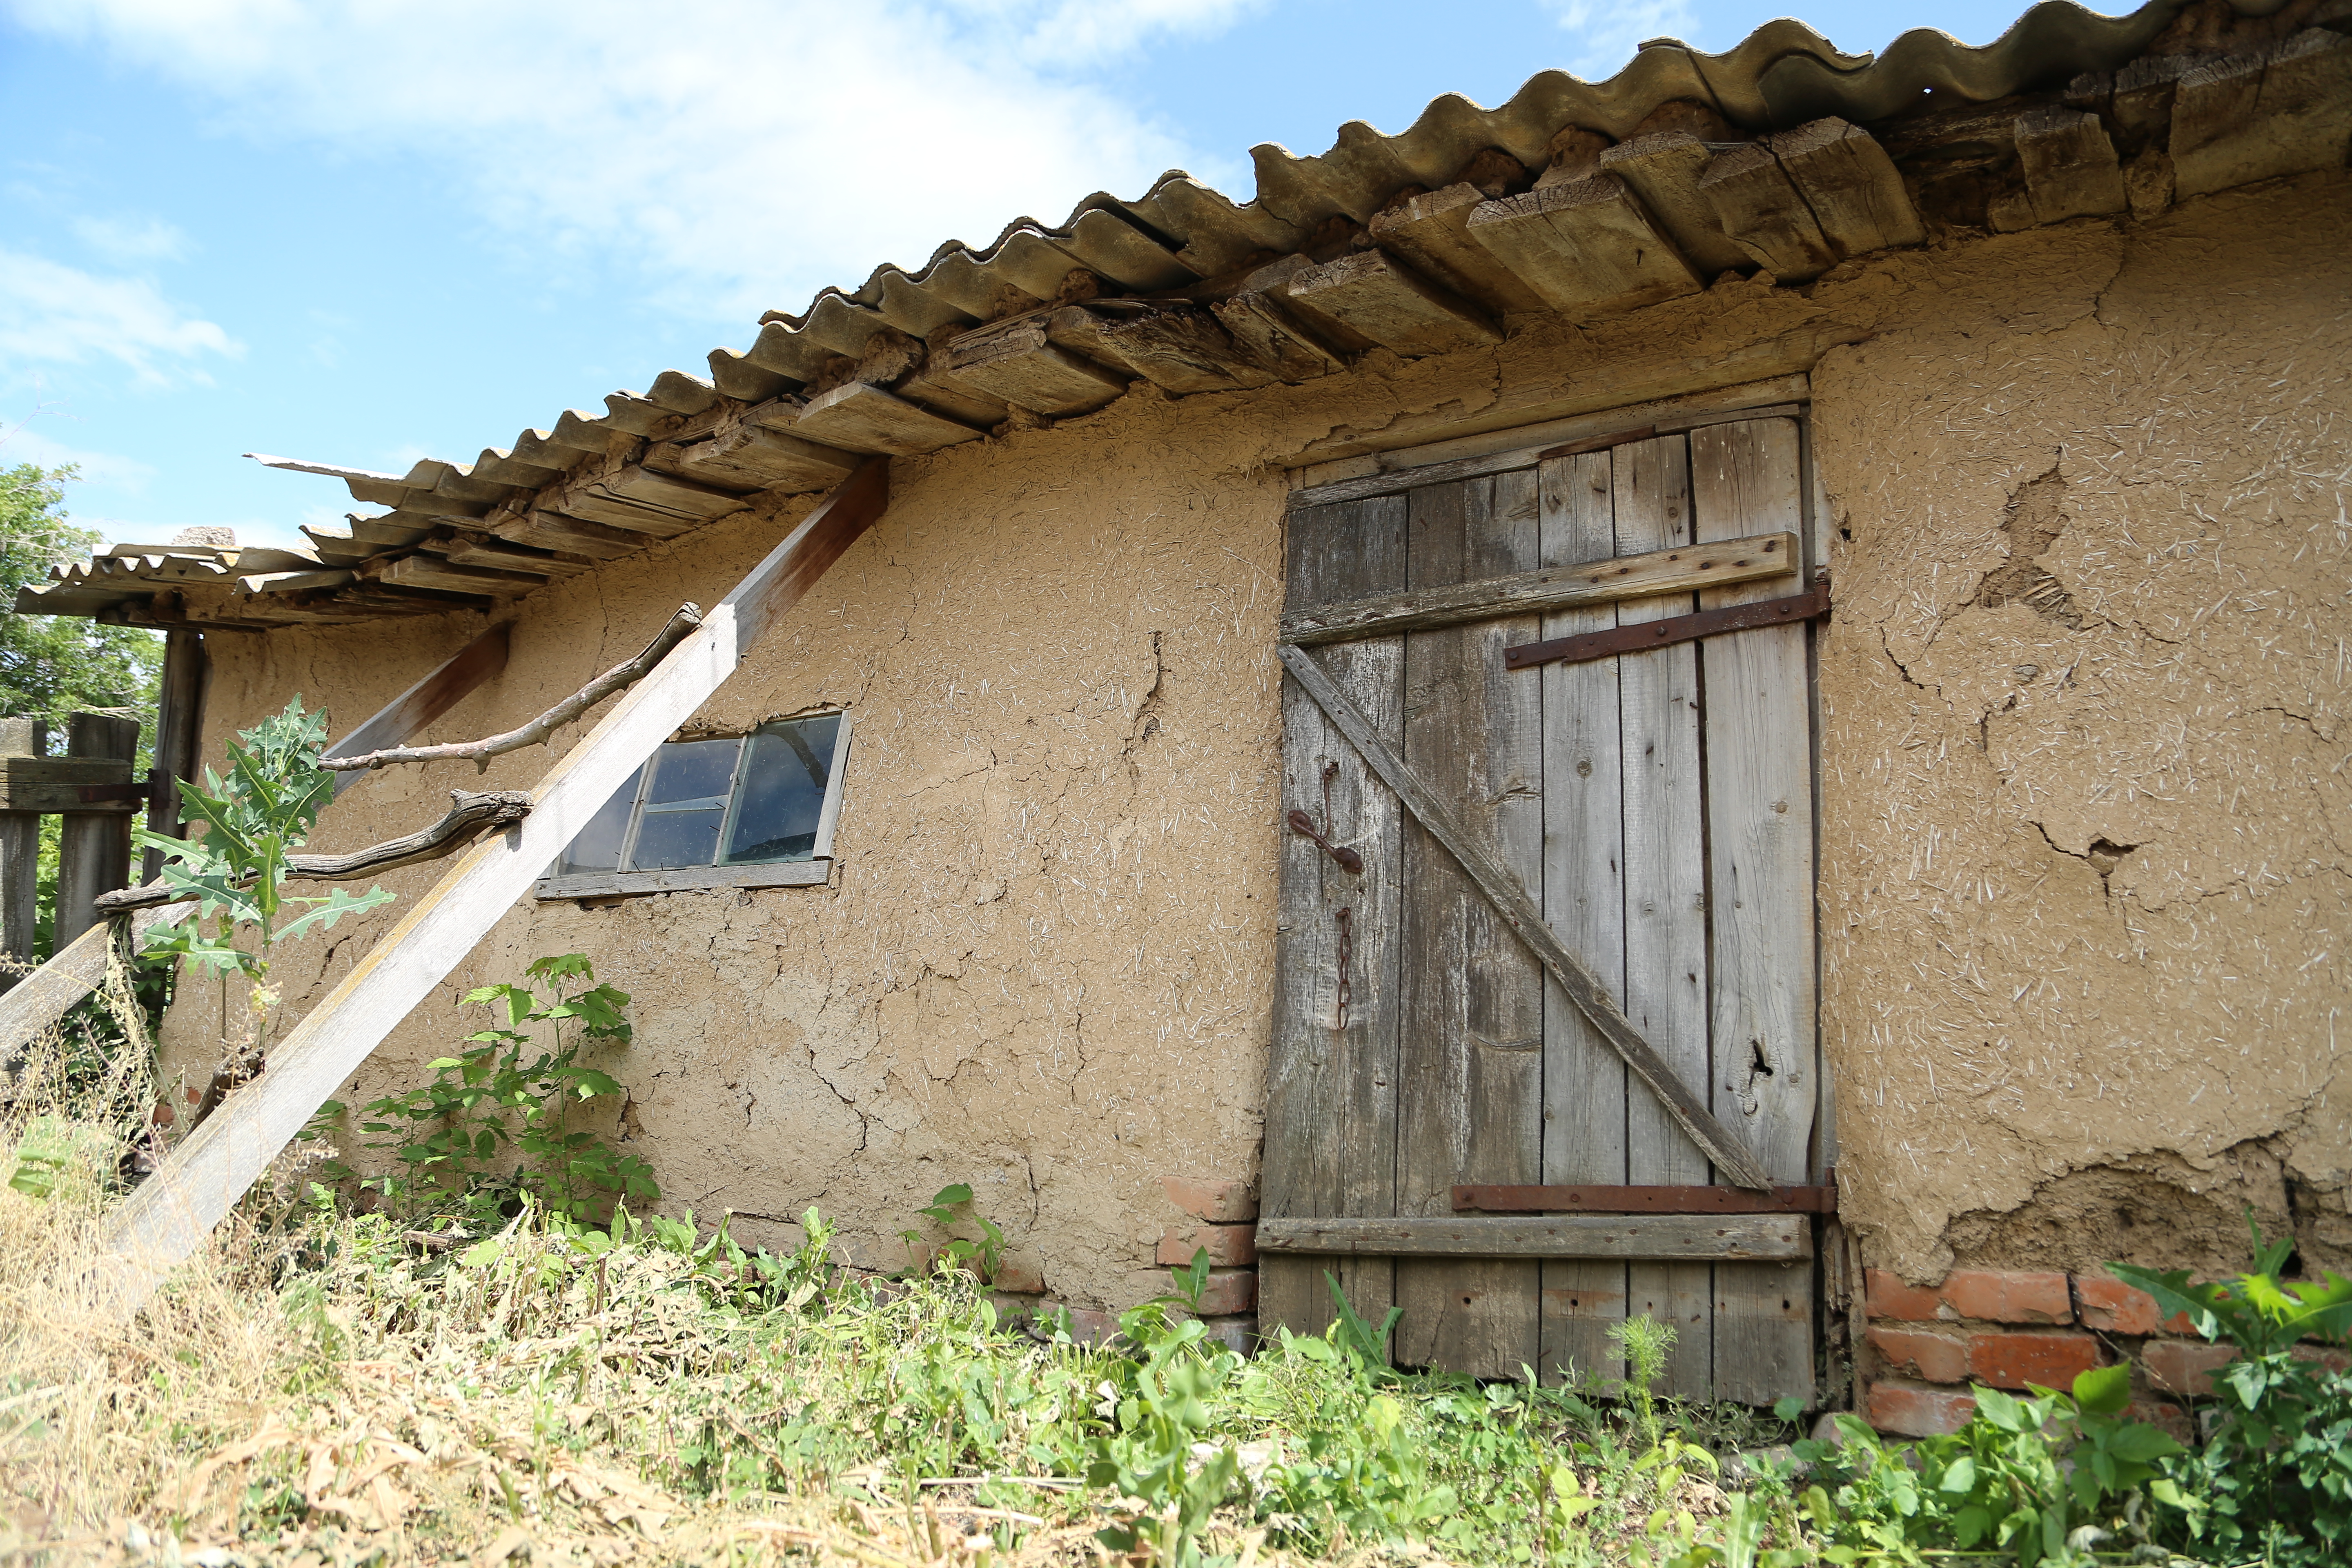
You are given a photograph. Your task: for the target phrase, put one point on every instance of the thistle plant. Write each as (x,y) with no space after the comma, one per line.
(1646,1343)
(234,865)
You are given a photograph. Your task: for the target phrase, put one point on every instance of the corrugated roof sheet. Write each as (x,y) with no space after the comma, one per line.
(1171,239)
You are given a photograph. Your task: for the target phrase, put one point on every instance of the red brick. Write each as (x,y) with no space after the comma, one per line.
(1886,1296)
(1922,1354)
(1087,1326)
(1229,1290)
(2168,1417)
(1018,1277)
(1229,1245)
(2004,1297)
(2184,1366)
(2109,1303)
(1219,1203)
(1909,1411)
(1239,1333)
(2013,1360)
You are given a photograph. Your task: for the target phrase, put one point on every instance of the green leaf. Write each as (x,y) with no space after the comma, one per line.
(330,908)
(2141,1444)
(1960,1478)
(2104,1390)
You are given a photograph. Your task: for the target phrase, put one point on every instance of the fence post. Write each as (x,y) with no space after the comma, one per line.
(94,850)
(179,721)
(20,856)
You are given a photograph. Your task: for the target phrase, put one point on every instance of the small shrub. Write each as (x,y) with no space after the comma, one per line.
(2274,1477)
(453,1136)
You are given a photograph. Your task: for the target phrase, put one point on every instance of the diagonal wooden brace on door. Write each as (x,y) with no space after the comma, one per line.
(1510,899)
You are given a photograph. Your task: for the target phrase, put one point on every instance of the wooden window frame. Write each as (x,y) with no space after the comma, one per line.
(817,871)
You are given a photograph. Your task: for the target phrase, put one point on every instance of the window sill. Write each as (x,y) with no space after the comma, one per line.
(686,880)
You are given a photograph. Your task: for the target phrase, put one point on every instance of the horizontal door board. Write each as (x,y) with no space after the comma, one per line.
(1494,1199)
(1521,429)
(1509,896)
(1396,480)
(1680,570)
(1653,1237)
(1674,629)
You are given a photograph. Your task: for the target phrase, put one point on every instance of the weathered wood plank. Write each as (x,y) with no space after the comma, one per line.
(1663,169)
(1470,1086)
(1763,214)
(1263,323)
(168,1217)
(179,732)
(1665,892)
(1677,571)
(40,999)
(2069,164)
(1697,1238)
(1432,234)
(94,846)
(1392,305)
(1851,185)
(1601,1199)
(1331,1144)
(1015,360)
(1759,839)
(1686,1108)
(1393,473)
(1585,1084)
(1586,245)
(2277,112)
(856,418)
(1184,349)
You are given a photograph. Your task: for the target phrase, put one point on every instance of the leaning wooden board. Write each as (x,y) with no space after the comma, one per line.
(169,1216)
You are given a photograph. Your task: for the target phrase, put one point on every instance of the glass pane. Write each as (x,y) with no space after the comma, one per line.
(597,847)
(668,840)
(784,790)
(693,771)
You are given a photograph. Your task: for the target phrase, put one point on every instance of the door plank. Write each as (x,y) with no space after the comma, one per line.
(1681,570)
(1585,1084)
(1698,1237)
(1746,477)
(1471,1079)
(1665,890)
(1525,917)
(1330,1136)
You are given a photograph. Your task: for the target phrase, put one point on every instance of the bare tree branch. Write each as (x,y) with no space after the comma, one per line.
(536,732)
(470,816)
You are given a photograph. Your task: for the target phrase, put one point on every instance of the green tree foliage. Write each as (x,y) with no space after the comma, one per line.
(52,665)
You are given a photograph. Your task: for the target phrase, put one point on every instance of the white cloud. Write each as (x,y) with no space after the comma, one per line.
(125,239)
(22,443)
(741,153)
(1608,35)
(55,314)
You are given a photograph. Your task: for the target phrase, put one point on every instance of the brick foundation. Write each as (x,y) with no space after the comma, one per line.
(1926,1343)
(1220,1218)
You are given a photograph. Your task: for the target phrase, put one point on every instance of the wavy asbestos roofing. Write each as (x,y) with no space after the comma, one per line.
(1181,232)
(1781,75)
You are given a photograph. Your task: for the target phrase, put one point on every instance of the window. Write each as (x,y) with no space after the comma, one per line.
(749,811)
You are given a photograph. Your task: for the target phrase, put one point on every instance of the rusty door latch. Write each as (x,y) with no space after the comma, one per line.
(1304,825)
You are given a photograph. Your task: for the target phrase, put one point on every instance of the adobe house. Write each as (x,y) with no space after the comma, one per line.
(1781,611)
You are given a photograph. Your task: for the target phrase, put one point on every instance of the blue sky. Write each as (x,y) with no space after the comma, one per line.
(365,231)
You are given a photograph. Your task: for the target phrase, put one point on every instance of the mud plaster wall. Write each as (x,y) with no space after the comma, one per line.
(2082,889)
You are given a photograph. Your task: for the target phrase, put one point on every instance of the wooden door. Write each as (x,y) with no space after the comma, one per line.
(1657,806)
